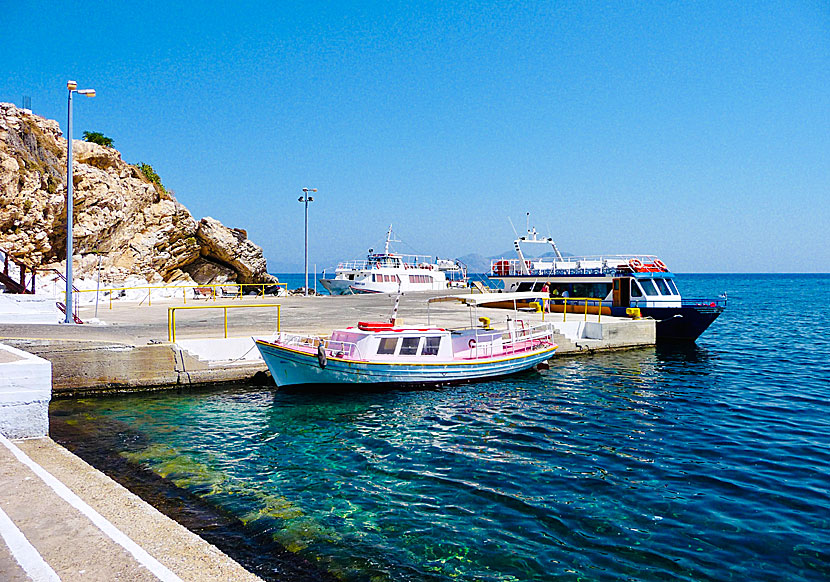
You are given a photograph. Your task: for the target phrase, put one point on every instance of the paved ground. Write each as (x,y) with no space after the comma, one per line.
(55,535)
(132,323)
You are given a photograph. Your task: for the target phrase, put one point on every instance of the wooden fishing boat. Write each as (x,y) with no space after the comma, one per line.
(385,353)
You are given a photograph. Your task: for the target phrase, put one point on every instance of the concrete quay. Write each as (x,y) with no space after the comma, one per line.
(127,348)
(61,519)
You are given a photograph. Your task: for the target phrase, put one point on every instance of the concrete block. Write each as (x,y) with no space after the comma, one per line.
(25,392)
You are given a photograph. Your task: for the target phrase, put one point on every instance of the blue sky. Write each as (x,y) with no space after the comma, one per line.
(697,131)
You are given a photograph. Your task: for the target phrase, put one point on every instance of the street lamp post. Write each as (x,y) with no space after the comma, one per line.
(305,198)
(72,86)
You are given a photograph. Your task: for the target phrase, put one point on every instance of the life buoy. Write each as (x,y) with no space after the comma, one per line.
(635,264)
(660,265)
(472,344)
(321,356)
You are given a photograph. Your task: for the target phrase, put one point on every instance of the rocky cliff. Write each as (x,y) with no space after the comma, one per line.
(133,225)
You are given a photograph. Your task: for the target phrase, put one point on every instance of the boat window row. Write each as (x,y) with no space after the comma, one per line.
(653,287)
(378,278)
(420,278)
(409,346)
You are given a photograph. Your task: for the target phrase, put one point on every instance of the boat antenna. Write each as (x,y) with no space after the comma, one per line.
(527,222)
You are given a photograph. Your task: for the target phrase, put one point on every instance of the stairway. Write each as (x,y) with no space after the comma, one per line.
(7,275)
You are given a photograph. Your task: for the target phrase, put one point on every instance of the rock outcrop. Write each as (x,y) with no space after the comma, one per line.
(134,226)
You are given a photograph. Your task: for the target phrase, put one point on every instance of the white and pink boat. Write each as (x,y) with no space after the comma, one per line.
(385,353)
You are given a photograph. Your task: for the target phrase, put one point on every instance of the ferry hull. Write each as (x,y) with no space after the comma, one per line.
(291,367)
(337,286)
(682,324)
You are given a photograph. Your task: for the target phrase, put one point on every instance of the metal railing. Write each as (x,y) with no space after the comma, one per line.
(209,290)
(171,315)
(336,348)
(568,265)
(547,305)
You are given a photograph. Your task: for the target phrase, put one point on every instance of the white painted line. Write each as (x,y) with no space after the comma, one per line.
(25,553)
(139,553)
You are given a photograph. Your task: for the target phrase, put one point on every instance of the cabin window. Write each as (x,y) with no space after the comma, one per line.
(388,345)
(672,286)
(648,287)
(409,347)
(661,285)
(635,289)
(431,346)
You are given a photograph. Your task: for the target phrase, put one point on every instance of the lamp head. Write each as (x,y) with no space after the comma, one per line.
(71,85)
(311,198)
(300,199)
(305,189)
(87,92)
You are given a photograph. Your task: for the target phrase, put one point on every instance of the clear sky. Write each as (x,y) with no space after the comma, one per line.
(697,131)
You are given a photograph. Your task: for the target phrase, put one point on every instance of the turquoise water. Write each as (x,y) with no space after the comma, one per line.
(709,462)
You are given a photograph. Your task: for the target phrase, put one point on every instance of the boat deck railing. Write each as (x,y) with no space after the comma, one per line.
(337,348)
(588,265)
(519,339)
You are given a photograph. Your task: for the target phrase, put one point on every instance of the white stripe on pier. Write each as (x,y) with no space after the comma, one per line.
(116,535)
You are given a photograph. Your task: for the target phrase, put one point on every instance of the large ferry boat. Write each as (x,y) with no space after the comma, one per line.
(620,282)
(390,272)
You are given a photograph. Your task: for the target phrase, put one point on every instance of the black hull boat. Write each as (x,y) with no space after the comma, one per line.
(624,286)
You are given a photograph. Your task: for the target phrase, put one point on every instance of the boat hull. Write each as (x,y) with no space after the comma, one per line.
(292,367)
(678,324)
(337,286)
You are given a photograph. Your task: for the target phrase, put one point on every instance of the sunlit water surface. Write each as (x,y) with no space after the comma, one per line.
(709,462)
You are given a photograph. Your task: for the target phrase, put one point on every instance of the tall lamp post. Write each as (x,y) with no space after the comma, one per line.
(305,198)
(72,86)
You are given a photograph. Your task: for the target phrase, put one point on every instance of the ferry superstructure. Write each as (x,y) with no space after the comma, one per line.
(390,272)
(622,281)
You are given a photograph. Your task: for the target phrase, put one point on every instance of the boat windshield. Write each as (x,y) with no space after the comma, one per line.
(672,286)
(648,287)
(635,289)
(661,285)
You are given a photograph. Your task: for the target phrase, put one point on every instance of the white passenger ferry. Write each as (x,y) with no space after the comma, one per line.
(389,272)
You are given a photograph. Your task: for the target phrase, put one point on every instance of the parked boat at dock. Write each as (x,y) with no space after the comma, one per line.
(386,353)
(390,272)
(621,282)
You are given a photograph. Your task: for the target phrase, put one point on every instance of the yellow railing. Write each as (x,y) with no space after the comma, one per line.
(171,315)
(210,289)
(546,303)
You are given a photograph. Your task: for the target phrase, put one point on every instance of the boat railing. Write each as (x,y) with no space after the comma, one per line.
(336,348)
(523,337)
(587,265)
(396,260)
(704,301)
(341,349)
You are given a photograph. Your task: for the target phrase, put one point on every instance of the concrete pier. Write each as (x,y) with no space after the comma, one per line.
(61,519)
(128,348)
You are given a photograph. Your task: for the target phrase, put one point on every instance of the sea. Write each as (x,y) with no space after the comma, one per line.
(702,462)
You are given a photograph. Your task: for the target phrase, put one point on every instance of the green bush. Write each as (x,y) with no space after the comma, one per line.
(98,137)
(150,174)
